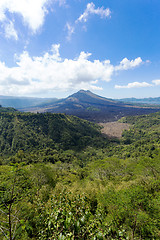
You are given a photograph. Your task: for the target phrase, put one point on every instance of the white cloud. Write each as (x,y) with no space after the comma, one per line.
(156,82)
(10,31)
(134,85)
(62,2)
(91,10)
(70,30)
(32,11)
(42,75)
(125,64)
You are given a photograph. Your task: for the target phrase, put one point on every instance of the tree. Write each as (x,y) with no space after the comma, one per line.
(13,189)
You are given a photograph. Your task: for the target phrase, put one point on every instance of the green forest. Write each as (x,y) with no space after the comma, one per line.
(60,178)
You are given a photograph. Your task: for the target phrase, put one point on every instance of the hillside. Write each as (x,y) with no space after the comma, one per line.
(60,179)
(89,106)
(8,109)
(27,131)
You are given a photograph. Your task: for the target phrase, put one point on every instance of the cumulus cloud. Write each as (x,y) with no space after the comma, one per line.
(42,75)
(91,10)
(134,85)
(125,64)
(32,12)
(156,82)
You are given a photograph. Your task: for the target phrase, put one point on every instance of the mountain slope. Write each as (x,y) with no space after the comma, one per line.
(107,193)
(92,107)
(28,131)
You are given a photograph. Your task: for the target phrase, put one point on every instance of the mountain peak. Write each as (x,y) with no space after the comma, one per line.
(83,94)
(84,91)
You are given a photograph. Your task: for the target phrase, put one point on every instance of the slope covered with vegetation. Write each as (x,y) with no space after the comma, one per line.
(27,132)
(72,183)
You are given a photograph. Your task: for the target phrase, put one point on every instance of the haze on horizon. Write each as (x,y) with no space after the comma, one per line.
(53,48)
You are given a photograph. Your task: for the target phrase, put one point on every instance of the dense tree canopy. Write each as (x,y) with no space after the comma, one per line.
(61,179)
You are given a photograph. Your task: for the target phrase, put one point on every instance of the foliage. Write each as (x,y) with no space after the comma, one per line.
(26,131)
(60,179)
(14,186)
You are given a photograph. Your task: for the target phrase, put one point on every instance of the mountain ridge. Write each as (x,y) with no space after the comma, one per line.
(23,102)
(87,105)
(149,100)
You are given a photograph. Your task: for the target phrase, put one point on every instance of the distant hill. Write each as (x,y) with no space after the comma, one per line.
(23,102)
(92,107)
(148,101)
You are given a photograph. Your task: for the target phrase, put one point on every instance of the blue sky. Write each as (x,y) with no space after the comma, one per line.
(53,48)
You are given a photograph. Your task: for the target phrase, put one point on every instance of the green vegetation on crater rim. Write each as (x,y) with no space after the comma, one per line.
(61,179)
